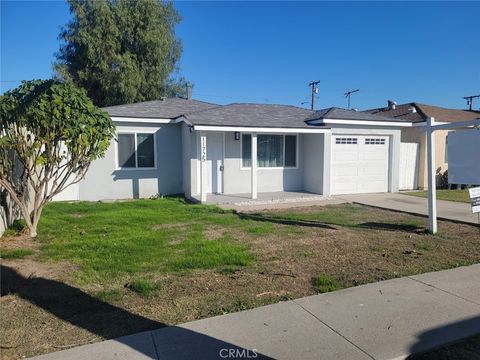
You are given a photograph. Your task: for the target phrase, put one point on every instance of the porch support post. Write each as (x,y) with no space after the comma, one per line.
(327,160)
(254,166)
(432,186)
(203,160)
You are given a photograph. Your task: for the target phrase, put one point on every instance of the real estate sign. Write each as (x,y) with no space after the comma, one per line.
(475,199)
(464,157)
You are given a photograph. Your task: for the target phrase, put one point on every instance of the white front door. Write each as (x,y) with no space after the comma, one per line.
(214,163)
(359,164)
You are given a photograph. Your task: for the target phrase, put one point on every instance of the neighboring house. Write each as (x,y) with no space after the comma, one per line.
(413,159)
(161,144)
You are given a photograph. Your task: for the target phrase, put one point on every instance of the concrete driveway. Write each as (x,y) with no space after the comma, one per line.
(449,210)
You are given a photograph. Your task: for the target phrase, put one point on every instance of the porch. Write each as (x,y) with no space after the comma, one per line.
(263,198)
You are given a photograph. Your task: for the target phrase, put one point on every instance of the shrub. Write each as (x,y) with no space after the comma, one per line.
(324,283)
(143,287)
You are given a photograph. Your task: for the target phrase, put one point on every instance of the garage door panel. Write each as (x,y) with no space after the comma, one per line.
(351,170)
(373,156)
(346,155)
(372,186)
(360,166)
(372,172)
(344,188)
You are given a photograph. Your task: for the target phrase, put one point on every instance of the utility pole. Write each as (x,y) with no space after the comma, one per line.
(470,100)
(314,87)
(348,94)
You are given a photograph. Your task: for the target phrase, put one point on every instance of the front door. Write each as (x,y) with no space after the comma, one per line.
(214,163)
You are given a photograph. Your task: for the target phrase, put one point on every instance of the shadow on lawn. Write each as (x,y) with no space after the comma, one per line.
(275,220)
(107,321)
(390,227)
(330,226)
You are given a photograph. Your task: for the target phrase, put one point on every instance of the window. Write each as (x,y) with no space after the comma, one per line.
(272,150)
(136,150)
(246,150)
(349,141)
(290,150)
(374,141)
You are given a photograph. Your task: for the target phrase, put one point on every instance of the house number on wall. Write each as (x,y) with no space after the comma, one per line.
(203,148)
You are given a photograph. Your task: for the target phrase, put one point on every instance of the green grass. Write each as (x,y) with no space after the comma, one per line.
(15,253)
(144,287)
(325,283)
(354,216)
(424,246)
(111,240)
(450,195)
(345,215)
(16,227)
(109,295)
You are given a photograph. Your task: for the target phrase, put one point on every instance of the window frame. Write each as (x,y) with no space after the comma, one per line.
(135,133)
(276,167)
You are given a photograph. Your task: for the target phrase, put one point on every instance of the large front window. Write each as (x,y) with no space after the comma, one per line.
(136,150)
(272,150)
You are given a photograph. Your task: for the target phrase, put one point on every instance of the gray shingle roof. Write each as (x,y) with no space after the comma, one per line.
(241,114)
(237,114)
(344,114)
(169,108)
(423,111)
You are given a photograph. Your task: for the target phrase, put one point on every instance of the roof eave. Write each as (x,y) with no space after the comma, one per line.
(381,123)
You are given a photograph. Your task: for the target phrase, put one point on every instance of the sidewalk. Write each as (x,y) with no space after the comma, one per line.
(386,320)
(450,210)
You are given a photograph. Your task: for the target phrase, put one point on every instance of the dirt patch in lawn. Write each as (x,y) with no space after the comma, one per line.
(20,241)
(45,310)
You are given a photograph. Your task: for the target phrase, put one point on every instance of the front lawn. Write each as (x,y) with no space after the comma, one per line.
(450,195)
(103,270)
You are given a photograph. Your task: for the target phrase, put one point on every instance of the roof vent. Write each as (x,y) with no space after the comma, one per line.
(392,105)
(412,110)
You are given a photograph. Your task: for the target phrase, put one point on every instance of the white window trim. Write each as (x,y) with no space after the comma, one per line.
(136,168)
(259,168)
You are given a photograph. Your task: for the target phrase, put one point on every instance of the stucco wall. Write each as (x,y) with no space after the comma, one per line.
(313,150)
(104,181)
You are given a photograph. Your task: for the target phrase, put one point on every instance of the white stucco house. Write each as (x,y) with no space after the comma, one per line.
(184,146)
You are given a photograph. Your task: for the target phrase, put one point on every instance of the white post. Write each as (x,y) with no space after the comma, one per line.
(203,160)
(432,186)
(254,166)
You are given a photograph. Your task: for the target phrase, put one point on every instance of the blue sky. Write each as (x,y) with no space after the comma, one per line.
(268,51)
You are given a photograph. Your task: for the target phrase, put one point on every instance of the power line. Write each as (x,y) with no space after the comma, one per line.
(314,87)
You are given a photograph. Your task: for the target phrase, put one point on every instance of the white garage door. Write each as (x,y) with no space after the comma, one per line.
(359,164)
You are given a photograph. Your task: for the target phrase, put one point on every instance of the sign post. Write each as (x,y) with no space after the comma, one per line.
(432,196)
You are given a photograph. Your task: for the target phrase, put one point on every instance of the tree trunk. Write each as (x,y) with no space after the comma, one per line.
(32,231)
(36,213)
